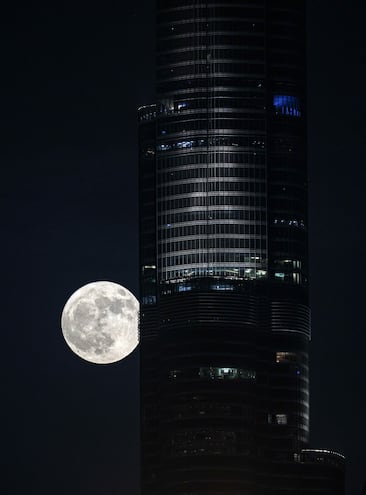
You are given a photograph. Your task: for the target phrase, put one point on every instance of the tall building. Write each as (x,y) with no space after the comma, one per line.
(225,321)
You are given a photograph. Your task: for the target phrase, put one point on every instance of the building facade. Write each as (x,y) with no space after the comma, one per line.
(225,319)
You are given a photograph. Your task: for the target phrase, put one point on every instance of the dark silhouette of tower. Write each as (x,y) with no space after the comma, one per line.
(225,323)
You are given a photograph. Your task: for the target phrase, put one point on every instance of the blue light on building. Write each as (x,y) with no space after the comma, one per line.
(182,105)
(287,105)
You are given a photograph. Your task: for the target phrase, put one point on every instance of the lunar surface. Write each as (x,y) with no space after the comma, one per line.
(100,322)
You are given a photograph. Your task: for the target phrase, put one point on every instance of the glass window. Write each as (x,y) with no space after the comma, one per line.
(279,276)
(227,374)
(281,419)
(149,300)
(286,357)
(287,105)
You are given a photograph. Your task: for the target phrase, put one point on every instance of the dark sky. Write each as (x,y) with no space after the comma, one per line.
(72,77)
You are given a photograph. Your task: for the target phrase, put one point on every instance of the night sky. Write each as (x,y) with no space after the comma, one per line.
(72,78)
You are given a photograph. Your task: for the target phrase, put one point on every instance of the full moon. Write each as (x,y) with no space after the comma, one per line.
(100,322)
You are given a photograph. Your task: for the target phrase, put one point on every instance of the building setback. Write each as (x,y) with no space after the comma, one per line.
(225,320)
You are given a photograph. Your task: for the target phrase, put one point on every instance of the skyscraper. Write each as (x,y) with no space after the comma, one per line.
(225,323)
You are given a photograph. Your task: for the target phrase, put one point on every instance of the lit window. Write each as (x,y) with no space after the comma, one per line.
(287,105)
(279,276)
(182,105)
(184,288)
(185,144)
(149,300)
(290,222)
(261,273)
(222,287)
(149,152)
(281,419)
(227,374)
(173,374)
(286,357)
(295,263)
(252,273)
(164,147)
